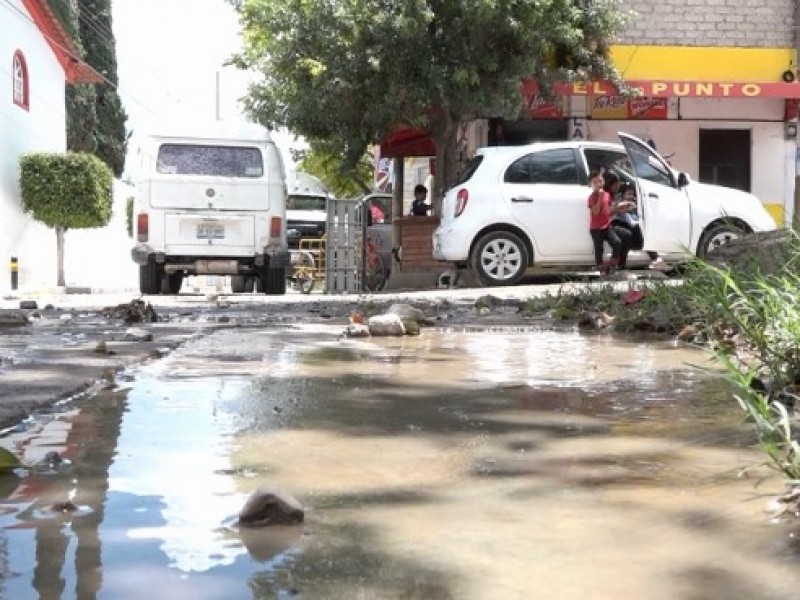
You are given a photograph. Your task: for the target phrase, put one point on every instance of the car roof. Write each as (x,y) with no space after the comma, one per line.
(502,151)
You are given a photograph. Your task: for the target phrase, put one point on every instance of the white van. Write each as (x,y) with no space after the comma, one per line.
(211,202)
(306,207)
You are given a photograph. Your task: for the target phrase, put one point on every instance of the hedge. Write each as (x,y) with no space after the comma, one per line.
(72,190)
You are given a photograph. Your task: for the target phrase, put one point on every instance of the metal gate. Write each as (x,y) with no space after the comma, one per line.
(344,246)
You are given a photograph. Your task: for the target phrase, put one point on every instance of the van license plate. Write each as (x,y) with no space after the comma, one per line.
(210,231)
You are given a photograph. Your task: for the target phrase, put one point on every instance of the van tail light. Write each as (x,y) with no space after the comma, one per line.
(142,227)
(461,201)
(275,227)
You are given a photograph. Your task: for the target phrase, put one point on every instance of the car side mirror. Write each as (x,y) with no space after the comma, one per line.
(683,180)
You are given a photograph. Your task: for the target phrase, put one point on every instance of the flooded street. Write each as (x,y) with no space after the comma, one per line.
(457,464)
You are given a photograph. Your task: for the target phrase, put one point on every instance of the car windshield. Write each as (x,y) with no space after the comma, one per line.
(306,203)
(216,161)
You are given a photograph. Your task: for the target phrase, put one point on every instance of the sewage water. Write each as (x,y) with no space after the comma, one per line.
(456,464)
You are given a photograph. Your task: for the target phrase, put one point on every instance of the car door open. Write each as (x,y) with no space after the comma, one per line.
(663,206)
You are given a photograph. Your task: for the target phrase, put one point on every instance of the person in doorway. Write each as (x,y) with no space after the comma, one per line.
(626,218)
(600,228)
(418,207)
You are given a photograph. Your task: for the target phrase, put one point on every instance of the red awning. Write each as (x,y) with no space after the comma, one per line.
(406,141)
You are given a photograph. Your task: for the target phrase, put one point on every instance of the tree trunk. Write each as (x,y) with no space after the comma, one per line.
(60,255)
(445,138)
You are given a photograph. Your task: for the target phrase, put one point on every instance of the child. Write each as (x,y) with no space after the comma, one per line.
(600,229)
(626,215)
(418,206)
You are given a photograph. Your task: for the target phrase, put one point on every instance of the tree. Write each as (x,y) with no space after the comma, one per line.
(95,116)
(344,181)
(66,191)
(349,73)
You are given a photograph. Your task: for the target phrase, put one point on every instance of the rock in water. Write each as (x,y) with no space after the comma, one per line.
(386,325)
(271,506)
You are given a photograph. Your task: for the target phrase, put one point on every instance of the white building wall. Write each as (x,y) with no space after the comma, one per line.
(39,129)
(95,258)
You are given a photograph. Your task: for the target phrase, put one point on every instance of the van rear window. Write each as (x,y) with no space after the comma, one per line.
(306,203)
(217,161)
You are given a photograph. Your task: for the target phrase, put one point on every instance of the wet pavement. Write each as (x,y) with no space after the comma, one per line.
(457,464)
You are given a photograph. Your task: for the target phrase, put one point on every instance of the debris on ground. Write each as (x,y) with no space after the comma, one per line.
(135,311)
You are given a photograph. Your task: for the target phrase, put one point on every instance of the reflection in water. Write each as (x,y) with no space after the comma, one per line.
(450,465)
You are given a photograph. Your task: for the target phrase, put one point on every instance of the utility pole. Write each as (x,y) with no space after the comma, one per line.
(217,103)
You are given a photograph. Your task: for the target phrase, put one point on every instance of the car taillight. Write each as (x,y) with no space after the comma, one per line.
(461,201)
(275,226)
(142,227)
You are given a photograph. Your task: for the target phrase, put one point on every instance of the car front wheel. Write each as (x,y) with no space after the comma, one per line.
(499,258)
(716,236)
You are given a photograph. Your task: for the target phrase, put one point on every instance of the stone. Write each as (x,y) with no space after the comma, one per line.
(386,325)
(28,305)
(407,312)
(138,335)
(356,330)
(102,348)
(12,318)
(487,301)
(271,506)
(412,327)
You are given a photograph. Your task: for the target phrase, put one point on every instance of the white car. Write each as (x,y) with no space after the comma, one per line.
(517,207)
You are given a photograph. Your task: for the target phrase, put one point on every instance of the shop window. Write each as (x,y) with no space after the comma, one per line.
(21,84)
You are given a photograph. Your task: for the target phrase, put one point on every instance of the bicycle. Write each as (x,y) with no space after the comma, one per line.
(374,278)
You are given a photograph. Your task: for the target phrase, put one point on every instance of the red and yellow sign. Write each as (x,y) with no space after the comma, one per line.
(539,107)
(673,89)
(684,89)
(618,107)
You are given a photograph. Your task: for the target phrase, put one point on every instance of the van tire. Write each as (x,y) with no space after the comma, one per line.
(150,277)
(273,281)
(238,284)
(172,283)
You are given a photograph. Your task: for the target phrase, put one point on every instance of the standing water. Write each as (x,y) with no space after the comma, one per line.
(468,465)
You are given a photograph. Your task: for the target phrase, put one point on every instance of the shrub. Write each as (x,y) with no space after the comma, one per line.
(71,191)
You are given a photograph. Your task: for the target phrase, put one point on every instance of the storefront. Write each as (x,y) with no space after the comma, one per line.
(723,115)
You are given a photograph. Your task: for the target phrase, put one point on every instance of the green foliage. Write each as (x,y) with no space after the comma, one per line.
(81,101)
(95,116)
(348,73)
(72,190)
(753,322)
(8,461)
(63,12)
(344,181)
(129,215)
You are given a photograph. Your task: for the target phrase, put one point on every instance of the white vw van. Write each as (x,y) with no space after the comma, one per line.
(211,201)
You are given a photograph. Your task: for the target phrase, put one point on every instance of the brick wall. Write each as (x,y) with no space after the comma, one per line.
(417,245)
(738,23)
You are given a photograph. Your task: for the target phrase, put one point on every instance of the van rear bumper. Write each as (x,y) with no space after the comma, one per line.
(274,258)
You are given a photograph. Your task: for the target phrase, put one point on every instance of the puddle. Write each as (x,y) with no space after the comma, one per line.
(456,464)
